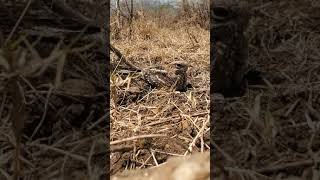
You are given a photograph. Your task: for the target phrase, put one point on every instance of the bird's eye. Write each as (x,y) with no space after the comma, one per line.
(220,13)
(179,65)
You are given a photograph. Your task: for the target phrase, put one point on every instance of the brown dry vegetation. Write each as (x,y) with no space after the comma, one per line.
(273,131)
(178,122)
(52,112)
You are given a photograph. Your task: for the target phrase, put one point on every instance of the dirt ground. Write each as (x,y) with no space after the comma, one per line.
(273,131)
(177,123)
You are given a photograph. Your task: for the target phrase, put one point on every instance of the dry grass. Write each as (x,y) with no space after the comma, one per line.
(47,133)
(273,132)
(48,139)
(182,117)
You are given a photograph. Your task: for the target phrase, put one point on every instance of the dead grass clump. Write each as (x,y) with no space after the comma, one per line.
(272,130)
(51,98)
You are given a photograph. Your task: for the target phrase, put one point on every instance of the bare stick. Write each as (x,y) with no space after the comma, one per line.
(18,22)
(121,57)
(64,9)
(296,164)
(137,137)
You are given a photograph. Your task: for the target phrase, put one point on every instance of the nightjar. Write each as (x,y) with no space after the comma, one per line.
(229,62)
(157,78)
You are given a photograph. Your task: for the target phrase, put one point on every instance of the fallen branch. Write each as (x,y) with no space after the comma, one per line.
(60,7)
(136,137)
(290,165)
(122,58)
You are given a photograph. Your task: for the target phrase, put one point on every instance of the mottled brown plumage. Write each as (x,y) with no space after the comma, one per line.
(230,50)
(157,78)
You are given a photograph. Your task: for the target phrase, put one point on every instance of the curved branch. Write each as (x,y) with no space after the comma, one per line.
(65,10)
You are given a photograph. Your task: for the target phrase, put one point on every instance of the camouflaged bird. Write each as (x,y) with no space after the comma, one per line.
(230,49)
(157,78)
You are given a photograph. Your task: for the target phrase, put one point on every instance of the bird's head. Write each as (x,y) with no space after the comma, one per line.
(180,65)
(228,12)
